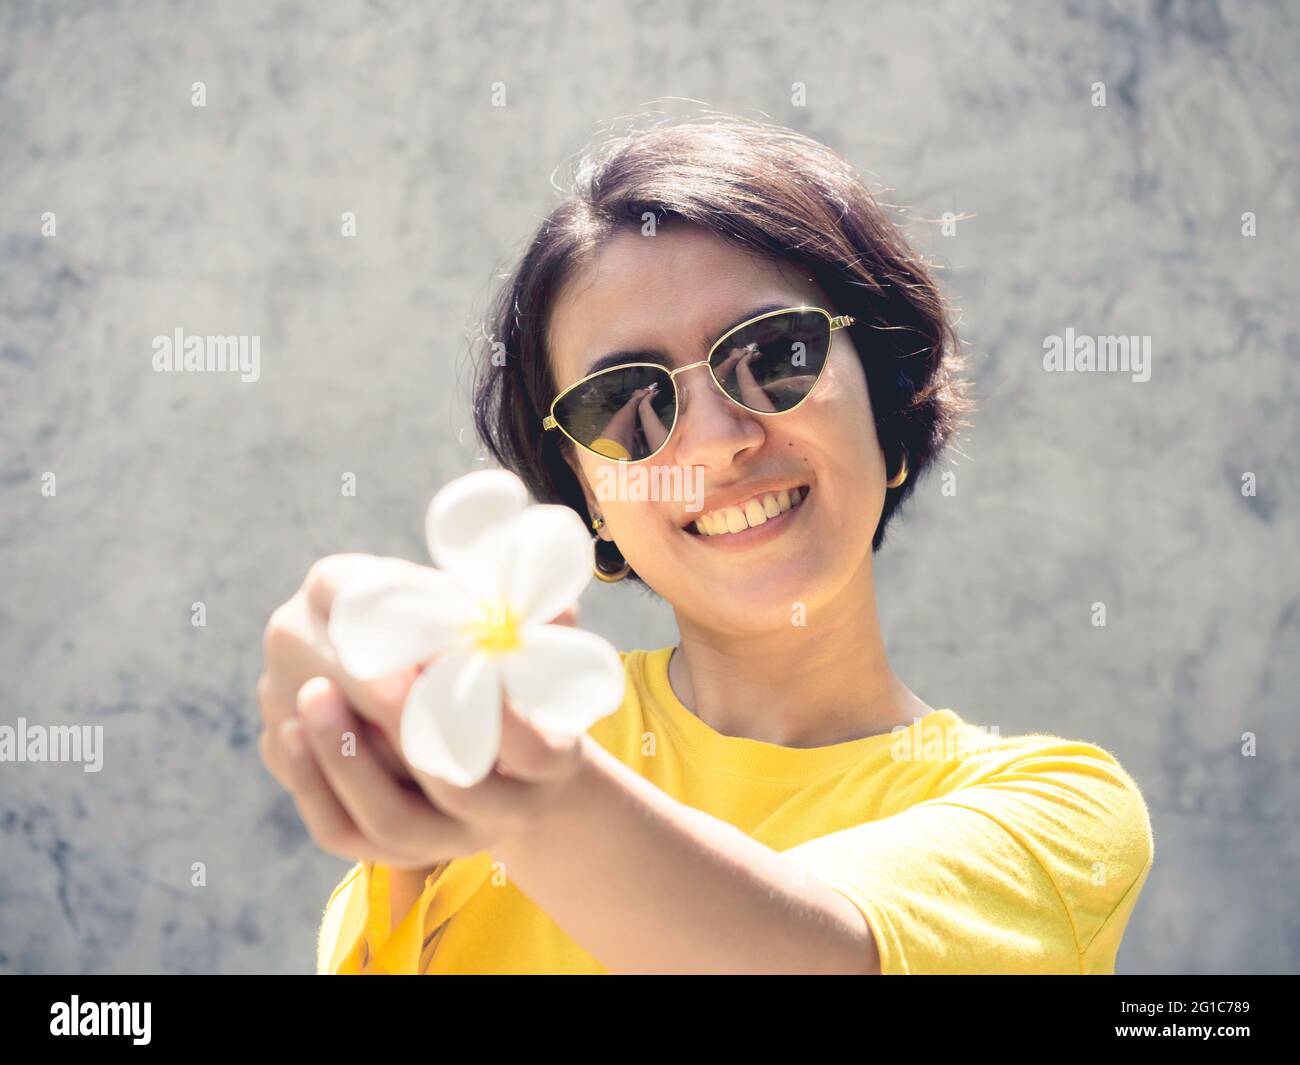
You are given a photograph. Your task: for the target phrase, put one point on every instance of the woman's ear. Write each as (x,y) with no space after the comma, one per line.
(593,507)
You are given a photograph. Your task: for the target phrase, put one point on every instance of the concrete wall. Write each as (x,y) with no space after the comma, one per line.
(1073,489)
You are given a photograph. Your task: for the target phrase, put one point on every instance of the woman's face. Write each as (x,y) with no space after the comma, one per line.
(676,293)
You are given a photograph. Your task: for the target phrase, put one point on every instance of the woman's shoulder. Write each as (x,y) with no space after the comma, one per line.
(984,754)
(988,751)
(1077,787)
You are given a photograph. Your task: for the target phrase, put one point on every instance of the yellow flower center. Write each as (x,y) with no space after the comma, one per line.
(498,632)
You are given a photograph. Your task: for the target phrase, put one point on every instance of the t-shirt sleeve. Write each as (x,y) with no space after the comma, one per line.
(1031,868)
(343,923)
(357,922)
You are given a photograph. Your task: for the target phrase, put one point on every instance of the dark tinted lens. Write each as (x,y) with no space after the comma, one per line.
(623,413)
(771,365)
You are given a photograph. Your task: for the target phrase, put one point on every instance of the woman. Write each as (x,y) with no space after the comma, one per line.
(724,296)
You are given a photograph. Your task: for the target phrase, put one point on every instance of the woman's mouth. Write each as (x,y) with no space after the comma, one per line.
(742,523)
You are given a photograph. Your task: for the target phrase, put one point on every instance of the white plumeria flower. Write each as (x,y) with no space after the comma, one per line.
(480,622)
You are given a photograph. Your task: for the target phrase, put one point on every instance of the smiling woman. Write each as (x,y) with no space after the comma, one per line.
(725,298)
(767,201)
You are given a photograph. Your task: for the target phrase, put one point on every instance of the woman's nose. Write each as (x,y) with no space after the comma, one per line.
(711,429)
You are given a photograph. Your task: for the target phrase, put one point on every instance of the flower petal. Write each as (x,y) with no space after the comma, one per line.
(552,562)
(451,724)
(391,620)
(563,679)
(468,524)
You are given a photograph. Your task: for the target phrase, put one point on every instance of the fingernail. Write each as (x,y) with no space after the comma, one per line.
(320,705)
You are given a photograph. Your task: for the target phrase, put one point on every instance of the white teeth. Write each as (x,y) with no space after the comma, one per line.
(747,515)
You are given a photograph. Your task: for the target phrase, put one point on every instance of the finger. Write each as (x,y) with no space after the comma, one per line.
(292,647)
(275,710)
(494,806)
(297,647)
(381,699)
(386,752)
(531,754)
(279,703)
(567,617)
(397,819)
(329,824)
(380,702)
(329,574)
(269,749)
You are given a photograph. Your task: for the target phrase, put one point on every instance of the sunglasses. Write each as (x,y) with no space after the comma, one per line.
(767,365)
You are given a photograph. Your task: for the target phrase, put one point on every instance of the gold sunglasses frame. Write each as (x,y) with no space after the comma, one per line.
(839,321)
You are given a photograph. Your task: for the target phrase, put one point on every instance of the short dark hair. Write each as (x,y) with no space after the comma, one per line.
(771,191)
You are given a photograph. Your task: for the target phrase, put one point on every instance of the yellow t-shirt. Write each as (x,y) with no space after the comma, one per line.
(965,851)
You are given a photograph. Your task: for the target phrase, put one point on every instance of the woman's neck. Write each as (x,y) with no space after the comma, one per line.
(822,683)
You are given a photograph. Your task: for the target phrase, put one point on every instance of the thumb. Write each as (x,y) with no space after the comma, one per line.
(530,753)
(379,703)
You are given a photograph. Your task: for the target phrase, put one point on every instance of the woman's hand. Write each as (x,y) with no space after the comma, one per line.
(651,424)
(332,742)
(737,362)
(621,427)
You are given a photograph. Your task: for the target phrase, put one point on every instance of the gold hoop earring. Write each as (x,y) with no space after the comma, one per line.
(597,523)
(901,475)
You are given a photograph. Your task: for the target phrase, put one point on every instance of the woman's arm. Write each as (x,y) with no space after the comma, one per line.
(648,884)
(622,425)
(642,881)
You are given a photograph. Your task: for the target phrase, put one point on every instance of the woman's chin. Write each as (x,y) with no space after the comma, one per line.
(767,598)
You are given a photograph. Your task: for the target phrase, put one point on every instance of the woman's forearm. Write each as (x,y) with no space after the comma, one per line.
(648,884)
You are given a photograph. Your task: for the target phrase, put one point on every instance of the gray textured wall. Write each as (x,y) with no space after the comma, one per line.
(1074,488)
